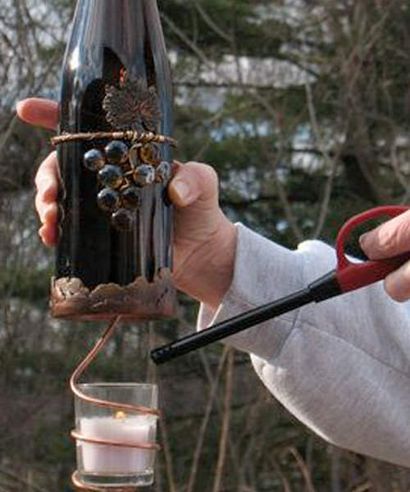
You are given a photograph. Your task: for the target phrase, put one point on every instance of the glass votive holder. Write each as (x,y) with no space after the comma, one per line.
(107,438)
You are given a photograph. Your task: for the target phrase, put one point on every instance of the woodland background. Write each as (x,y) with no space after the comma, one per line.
(303,107)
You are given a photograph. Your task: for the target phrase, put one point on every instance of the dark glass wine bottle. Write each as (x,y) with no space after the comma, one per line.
(114,251)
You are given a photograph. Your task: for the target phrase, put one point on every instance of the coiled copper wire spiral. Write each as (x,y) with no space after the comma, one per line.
(78,372)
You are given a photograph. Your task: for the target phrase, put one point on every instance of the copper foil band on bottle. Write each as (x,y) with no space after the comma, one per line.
(78,372)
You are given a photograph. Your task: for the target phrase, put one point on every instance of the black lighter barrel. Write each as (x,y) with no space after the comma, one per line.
(231,326)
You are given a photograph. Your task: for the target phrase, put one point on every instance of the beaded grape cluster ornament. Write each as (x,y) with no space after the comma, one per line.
(123,171)
(131,160)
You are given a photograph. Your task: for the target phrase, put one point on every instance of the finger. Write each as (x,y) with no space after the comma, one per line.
(46,181)
(39,112)
(397,284)
(47,176)
(390,239)
(49,214)
(48,235)
(193,182)
(48,231)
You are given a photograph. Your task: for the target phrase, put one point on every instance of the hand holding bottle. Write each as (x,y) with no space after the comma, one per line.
(204,244)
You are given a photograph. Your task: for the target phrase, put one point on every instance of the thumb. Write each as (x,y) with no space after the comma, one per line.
(193,182)
(389,239)
(38,112)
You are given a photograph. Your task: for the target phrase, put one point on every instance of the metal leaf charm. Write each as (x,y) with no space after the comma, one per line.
(132,106)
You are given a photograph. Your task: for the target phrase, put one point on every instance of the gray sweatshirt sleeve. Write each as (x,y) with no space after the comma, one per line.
(341,366)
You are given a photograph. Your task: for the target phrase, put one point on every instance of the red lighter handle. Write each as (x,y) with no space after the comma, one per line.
(351,276)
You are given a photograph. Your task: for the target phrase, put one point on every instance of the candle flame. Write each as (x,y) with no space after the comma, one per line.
(120,415)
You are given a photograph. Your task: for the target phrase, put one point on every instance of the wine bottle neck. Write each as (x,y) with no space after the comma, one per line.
(123,26)
(111,7)
(103,19)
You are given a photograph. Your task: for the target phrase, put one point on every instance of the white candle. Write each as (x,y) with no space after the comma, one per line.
(104,459)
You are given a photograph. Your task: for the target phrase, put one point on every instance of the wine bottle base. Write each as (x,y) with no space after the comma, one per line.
(140,300)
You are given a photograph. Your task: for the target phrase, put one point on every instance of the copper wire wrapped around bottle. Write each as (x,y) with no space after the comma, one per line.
(139,409)
(132,136)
